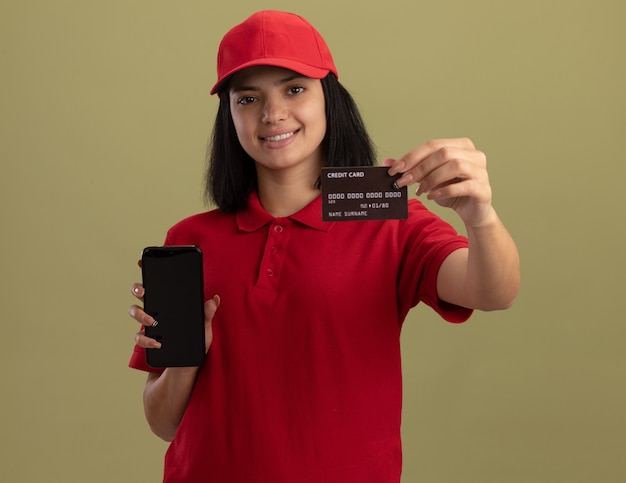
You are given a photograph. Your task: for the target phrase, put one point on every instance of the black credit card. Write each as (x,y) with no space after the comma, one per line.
(362,193)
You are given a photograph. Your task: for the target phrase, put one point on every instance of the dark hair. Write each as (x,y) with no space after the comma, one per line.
(231,173)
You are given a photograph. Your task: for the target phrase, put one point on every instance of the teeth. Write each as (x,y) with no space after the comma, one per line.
(280,137)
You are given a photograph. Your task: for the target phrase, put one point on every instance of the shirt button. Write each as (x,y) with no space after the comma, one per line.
(270,272)
(278,228)
(274,249)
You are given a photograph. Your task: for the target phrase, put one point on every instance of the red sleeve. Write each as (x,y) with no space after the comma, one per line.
(138,361)
(425,242)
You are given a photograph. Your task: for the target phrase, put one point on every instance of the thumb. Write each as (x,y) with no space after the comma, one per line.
(210,307)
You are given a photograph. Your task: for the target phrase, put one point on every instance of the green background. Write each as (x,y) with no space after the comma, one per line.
(104,120)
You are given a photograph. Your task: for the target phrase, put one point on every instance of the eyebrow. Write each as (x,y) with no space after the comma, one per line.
(284,80)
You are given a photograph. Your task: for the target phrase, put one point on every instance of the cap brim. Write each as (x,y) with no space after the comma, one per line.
(304,69)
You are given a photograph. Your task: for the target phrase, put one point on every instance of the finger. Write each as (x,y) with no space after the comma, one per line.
(454,188)
(139,263)
(445,171)
(459,163)
(140,316)
(425,167)
(438,190)
(469,188)
(425,150)
(138,291)
(142,340)
(420,161)
(210,307)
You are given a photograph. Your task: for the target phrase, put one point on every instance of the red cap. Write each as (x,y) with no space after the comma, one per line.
(274,38)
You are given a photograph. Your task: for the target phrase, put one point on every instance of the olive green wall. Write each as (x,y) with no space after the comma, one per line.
(104,120)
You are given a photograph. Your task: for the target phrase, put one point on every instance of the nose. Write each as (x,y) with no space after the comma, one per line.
(274,110)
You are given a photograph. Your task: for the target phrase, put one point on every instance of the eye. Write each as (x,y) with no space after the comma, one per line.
(295,90)
(245,100)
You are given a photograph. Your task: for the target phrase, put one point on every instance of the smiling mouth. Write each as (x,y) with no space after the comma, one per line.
(280,137)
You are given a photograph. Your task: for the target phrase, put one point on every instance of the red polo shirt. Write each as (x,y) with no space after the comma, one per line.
(302,382)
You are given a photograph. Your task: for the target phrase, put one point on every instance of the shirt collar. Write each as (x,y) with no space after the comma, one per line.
(252,216)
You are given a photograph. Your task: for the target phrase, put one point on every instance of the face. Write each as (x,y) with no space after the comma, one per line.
(280,119)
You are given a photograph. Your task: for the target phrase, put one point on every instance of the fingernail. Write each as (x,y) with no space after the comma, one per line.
(148,321)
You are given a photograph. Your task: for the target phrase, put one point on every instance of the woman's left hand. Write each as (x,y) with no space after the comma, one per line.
(451,172)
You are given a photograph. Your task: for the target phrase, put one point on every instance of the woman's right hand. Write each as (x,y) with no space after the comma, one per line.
(137,313)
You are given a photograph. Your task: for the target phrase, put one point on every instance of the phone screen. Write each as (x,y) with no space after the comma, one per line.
(174,296)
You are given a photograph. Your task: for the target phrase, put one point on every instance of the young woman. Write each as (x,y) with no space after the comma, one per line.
(302,380)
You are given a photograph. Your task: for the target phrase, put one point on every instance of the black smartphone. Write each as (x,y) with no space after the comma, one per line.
(174,296)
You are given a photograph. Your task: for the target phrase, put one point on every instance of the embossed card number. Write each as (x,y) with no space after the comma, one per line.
(362,193)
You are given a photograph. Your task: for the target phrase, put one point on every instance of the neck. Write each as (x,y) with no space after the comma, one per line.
(285,194)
